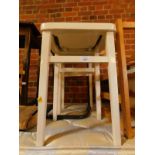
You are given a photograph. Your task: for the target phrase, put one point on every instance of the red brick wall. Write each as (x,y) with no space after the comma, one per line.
(39,11)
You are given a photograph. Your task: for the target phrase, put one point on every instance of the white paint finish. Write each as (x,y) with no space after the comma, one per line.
(43,87)
(79,70)
(90,86)
(77,59)
(113,86)
(62,102)
(55,91)
(61,26)
(84,58)
(77,41)
(66,48)
(71,74)
(46,43)
(79,44)
(62,91)
(59,91)
(98,90)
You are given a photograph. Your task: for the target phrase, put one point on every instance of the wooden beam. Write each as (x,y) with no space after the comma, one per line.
(79,59)
(113,89)
(123,78)
(71,74)
(60,27)
(98,91)
(76,53)
(77,70)
(55,91)
(43,88)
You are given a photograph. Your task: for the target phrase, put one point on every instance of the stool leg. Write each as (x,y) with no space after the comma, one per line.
(59,90)
(98,91)
(113,87)
(55,91)
(90,87)
(43,87)
(62,89)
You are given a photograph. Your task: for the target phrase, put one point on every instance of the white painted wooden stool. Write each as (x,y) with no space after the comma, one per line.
(101,37)
(60,73)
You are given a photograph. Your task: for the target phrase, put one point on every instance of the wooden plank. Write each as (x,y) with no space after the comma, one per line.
(78,70)
(98,91)
(71,74)
(86,27)
(113,88)
(43,88)
(57,51)
(90,86)
(73,53)
(123,79)
(128,24)
(59,91)
(78,59)
(62,89)
(55,91)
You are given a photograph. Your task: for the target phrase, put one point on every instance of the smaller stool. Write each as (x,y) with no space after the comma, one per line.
(60,72)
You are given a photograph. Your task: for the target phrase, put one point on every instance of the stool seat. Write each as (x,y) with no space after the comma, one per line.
(61,26)
(76,39)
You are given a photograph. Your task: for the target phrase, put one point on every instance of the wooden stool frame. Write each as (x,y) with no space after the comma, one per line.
(67,72)
(46,58)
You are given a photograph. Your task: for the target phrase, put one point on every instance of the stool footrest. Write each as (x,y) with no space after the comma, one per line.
(78,59)
(77,70)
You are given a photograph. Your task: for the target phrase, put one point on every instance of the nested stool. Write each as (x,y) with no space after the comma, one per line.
(77,36)
(60,72)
